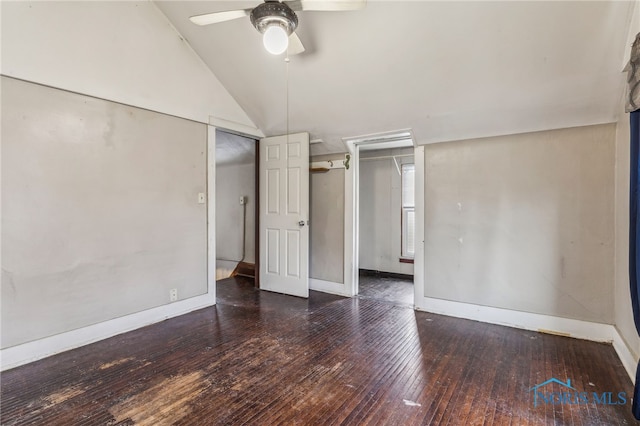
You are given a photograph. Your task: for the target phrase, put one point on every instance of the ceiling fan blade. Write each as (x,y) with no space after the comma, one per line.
(326,5)
(295,45)
(215,17)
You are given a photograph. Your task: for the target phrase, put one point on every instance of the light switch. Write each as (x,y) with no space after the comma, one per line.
(201,198)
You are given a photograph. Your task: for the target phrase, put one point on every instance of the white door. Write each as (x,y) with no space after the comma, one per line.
(284,214)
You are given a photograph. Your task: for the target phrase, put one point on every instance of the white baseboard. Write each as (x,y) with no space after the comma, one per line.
(328,287)
(626,355)
(38,349)
(537,322)
(525,320)
(32,351)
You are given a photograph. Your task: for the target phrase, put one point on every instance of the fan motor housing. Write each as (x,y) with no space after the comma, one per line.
(274,13)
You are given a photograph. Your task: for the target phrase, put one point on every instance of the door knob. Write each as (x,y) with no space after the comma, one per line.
(301,223)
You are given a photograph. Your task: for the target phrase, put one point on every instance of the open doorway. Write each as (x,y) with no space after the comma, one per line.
(386,218)
(236,205)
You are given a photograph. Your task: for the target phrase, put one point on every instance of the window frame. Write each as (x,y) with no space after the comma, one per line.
(405,210)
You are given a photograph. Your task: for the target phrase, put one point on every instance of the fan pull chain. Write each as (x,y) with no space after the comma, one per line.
(286,60)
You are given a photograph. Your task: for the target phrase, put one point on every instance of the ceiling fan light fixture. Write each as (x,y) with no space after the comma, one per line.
(275,21)
(275,39)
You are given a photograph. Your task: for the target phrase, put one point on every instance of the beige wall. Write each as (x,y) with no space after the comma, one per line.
(326,251)
(100,213)
(381,211)
(523,222)
(233,181)
(128,53)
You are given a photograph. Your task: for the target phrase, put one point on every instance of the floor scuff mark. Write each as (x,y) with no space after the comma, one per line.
(63,395)
(165,403)
(114,363)
(411,403)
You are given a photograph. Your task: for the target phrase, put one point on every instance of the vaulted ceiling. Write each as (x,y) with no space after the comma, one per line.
(447,70)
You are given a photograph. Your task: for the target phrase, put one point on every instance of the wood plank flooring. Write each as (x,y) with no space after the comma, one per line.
(265,359)
(386,288)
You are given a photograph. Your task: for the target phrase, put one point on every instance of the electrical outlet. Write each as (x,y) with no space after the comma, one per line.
(173,294)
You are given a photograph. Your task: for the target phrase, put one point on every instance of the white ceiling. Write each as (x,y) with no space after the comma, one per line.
(447,70)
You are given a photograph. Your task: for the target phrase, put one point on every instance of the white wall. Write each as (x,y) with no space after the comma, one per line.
(380,213)
(523,222)
(233,181)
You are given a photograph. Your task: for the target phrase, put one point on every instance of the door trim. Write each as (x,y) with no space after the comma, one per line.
(256,257)
(211,212)
(211,198)
(352,217)
(235,127)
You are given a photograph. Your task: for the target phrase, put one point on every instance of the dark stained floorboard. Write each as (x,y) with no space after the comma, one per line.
(379,286)
(262,358)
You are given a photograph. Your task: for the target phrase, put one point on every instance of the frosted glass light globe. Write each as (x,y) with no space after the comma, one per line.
(275,40)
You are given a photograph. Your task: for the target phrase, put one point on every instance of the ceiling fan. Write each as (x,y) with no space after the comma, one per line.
(277,21)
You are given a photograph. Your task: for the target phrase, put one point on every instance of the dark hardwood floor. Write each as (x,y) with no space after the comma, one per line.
(262,358)
(386,288)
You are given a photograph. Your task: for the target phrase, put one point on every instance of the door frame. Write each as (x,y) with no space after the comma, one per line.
(236,129)
(352,212)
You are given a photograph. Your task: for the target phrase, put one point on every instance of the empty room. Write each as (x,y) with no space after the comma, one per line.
(319,212)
